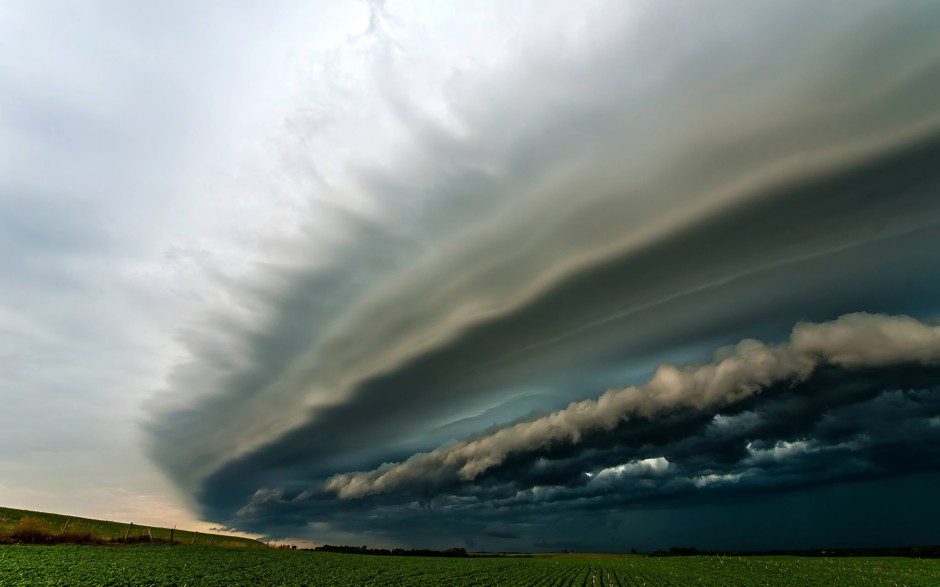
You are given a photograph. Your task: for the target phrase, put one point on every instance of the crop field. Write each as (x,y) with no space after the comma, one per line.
(54,524)
(183,565)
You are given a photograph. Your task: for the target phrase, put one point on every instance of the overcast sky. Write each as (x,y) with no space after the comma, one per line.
(500,275)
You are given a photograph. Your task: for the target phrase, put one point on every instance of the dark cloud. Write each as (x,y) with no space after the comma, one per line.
(737,375)
(500,530)
(838,428)
(842,426)
(680,182)
(465,366)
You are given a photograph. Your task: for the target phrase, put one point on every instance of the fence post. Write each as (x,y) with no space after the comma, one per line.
(126,532)
(150,533)
(172,531)
(66,526)
(194,538)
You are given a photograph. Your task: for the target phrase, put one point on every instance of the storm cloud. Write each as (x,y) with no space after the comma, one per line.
(853,341)
(840,424)
(608,192)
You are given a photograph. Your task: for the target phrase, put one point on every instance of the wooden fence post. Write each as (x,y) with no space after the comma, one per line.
(150,533)
(172,531)
(126,532)
(66,526)
(194,538)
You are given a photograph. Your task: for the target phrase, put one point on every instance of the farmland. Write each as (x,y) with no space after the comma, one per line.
(147,564)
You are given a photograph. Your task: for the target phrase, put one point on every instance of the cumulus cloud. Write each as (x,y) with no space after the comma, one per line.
(831,439)
(645,467)
(854,341)
(861,340)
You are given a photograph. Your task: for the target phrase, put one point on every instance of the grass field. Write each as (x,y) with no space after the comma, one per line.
(55,524)
(214,566)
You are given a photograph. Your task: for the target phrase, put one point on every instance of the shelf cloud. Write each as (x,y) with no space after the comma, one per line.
(501,221)
(503,275)
(854,341)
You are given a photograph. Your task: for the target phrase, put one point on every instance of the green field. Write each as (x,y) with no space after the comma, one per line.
(54,524)
(146,564)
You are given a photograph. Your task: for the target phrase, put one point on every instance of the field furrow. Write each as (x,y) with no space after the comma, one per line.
(159,565)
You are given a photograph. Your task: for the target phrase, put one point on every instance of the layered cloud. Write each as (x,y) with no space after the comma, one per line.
(861,417)
(529,215)
(854,341)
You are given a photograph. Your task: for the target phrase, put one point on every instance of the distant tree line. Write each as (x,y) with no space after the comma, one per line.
(932,551)
(450,552)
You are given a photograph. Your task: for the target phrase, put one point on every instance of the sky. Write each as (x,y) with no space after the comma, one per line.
(508,276)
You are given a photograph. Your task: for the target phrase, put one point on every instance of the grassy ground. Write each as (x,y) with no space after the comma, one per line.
(13,521)
(212,566)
